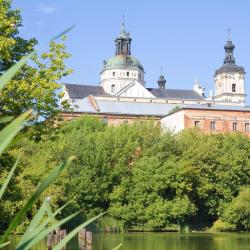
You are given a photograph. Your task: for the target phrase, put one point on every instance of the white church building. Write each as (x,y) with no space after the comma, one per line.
(122,94)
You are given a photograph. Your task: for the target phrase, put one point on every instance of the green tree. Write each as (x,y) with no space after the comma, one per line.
(238,211)
(156,194)
(12,46)
(36,86)
(222,165)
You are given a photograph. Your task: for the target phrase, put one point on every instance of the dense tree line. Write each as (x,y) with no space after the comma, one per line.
(145,179)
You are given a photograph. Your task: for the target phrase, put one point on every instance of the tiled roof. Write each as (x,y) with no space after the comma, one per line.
(230,68)
(175,94)
(77,91)
(218,107)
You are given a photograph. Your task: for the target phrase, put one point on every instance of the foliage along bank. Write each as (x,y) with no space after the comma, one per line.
(145,179)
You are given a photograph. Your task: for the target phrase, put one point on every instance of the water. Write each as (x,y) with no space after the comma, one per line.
(163,241)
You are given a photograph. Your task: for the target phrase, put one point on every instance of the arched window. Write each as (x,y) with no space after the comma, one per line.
(113,88)
(233,87)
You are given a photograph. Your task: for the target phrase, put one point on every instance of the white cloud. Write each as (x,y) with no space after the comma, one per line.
(47,9)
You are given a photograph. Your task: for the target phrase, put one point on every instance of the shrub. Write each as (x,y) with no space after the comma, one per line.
(222,226)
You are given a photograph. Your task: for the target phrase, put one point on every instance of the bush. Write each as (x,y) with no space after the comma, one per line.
(238,212)
(222,226)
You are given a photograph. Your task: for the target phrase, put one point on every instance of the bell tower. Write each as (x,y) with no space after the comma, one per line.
(123,42)
(229,79)
(123,68)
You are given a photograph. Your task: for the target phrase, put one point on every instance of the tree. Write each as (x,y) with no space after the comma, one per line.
(36,86)
(156,194)
(238,211)
(12,46)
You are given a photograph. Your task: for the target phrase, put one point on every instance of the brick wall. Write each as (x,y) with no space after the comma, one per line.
(223,119)
(114,120)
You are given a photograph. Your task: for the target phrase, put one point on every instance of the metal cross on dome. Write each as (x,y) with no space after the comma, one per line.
(229,33)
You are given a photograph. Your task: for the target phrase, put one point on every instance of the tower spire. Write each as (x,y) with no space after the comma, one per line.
(229,49)
(123,26)
(123,41)
(229,34)
(161,81)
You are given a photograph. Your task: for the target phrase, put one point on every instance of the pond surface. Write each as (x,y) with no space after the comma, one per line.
(162,241)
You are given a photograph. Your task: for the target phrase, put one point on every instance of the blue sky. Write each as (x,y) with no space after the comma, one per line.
(185,37)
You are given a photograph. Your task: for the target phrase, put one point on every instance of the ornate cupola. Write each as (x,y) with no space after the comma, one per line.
(122,69)
(161,82)
(123,42)
(229,49)
(229,79)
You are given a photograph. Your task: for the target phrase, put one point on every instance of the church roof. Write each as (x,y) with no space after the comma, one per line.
(77,91)
(122,62)
(217,107)
(125,108)
(229,65)
(175,94)
(230,68)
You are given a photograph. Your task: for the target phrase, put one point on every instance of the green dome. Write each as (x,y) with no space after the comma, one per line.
(122,62)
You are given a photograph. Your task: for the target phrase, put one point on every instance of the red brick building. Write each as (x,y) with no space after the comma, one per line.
(209,118)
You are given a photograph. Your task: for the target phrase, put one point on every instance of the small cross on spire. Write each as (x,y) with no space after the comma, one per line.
(123,19)
(123,25)
(229,34)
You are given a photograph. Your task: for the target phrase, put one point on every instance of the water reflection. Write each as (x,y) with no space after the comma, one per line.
(173,241)
(159,241)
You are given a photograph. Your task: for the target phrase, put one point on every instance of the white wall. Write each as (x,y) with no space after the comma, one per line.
(120,79)
(223,87)
(174,121)
(136,90)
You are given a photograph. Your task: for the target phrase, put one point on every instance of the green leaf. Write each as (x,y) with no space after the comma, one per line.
(9,132)
(5,244)
(6,77)
(50,178)
(33,230)
(35,222)
(5,119)
(74,232)
(62,33)
(31,242)
(117,247)
(4,186)
(61,208)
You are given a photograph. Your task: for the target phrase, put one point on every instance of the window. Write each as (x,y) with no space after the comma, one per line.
(139,76)
(197,123)
(247,127)
(233,87)
(212,125)
(127,74)
(234,126)
(113,74)
(113,88)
